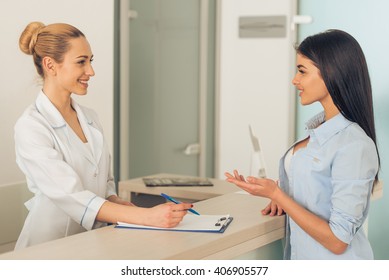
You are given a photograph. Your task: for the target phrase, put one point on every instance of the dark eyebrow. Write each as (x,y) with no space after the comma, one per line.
(301,66)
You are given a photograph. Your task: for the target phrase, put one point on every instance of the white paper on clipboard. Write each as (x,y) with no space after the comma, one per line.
(192,223)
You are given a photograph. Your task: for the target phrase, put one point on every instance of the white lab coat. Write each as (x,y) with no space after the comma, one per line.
(70,180)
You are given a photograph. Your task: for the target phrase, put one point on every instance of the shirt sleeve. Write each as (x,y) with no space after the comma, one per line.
(353,172)
(48,173)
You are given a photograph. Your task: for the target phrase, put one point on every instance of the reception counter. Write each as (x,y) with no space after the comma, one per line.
(249,230)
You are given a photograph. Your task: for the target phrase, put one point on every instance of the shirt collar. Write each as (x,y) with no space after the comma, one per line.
(81,113)
(51,113)
(48,111)
(323,130)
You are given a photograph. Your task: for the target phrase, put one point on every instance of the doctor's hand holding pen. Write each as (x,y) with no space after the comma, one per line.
(166,215)
(263,187)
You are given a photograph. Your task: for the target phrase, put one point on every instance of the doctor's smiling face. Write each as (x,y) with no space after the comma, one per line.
(74,72)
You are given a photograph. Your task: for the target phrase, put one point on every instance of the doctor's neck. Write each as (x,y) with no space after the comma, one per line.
(60,99)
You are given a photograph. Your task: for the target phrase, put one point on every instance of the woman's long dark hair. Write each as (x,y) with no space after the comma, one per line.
(343,67)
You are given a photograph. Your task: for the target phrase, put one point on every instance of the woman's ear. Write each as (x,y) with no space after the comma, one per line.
(49,66)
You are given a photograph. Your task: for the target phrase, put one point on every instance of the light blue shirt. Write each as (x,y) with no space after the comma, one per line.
(332,177)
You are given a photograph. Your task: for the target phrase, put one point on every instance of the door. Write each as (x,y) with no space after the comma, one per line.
(170,87)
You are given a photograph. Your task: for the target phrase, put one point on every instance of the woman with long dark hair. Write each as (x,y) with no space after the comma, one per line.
(327,177)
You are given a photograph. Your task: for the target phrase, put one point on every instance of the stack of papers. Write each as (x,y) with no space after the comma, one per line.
(193,223)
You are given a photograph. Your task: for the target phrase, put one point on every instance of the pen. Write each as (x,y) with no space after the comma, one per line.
(178,202)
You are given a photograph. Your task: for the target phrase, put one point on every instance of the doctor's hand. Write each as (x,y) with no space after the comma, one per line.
(256,186)
(167,215)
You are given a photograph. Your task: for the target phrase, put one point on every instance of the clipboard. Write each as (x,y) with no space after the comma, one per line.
(191,223)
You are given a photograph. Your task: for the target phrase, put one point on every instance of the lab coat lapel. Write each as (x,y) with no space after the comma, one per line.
(92,133)
(57,122)
(49,112)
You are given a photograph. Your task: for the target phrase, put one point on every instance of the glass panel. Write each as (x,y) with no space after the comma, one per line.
(164,79)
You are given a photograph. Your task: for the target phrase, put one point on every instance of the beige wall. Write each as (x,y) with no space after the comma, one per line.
(12,213)
(19,82)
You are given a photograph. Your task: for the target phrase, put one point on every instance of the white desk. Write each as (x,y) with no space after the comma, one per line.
(248,231)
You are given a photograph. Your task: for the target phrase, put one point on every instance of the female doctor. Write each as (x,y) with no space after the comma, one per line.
(61,149)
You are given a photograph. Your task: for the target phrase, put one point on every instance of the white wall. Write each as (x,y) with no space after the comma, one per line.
(18,78)
(254,87)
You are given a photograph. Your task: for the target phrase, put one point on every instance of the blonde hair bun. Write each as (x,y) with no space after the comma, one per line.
(29,37)
(53,40)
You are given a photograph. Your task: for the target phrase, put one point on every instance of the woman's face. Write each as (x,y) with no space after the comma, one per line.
(76,69)
(309,82)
